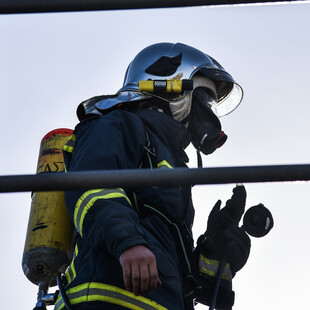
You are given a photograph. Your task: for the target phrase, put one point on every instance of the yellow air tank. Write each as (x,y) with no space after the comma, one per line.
(49,240)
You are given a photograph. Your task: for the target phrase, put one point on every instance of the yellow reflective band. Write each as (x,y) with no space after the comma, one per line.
(70,272)
(107,293)
(69,146)
(87,200)
(164,164)
(210,267)
(59,304)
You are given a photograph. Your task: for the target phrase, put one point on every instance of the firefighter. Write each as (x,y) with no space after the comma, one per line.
(134,246)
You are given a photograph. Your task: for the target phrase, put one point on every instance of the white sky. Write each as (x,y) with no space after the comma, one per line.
(51,62)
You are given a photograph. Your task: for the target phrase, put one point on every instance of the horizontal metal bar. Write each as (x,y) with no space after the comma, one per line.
(157,177)
(44,6)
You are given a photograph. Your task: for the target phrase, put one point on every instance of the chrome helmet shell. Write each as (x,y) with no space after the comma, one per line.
(175,61)
(185,62)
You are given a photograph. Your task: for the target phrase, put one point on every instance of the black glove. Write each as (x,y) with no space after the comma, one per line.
(223,236)
(225,242)
(231,214)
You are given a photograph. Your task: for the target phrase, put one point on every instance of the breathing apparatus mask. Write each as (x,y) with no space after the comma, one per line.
(204,125)
(197,111)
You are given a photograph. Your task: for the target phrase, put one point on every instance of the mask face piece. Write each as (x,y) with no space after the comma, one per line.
(204,126)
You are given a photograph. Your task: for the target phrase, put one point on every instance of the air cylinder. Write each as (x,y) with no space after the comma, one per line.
(50,232)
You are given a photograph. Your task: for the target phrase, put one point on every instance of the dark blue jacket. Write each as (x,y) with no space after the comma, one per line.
(110,221)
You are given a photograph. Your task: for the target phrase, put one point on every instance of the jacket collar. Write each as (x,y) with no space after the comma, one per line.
(172,134)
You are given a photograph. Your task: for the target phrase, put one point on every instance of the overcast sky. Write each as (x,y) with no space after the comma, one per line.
(49,63)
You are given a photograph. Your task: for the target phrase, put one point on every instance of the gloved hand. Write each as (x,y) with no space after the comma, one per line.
(223,241)
(230,214)
(224,237)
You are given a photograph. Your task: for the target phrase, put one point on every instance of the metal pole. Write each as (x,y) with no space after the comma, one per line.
(44,6)
(156,177)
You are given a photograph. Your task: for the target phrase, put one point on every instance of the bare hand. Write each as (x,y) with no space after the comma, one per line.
(139,270)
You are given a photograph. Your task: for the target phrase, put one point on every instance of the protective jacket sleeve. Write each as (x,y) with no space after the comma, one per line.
(105,217)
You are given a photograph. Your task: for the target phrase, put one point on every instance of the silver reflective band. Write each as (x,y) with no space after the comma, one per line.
(93,291)
(210,268)
(87,200)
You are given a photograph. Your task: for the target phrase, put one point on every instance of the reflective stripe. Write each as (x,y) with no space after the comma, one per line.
(210,267)
(107,293)
(69,146)
(87,200)
(70,272)
(164,164)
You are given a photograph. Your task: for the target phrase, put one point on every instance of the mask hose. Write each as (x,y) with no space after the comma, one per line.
(199,159)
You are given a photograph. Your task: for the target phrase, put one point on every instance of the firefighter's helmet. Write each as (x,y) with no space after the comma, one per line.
(176,62)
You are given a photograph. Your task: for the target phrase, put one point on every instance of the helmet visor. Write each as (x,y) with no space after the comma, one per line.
(230,102)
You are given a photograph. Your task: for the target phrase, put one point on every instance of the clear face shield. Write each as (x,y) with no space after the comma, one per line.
(226,105)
